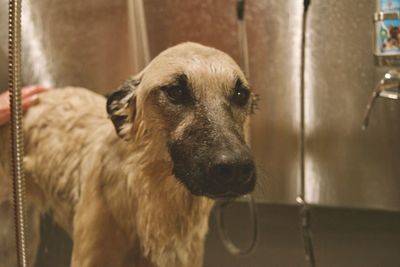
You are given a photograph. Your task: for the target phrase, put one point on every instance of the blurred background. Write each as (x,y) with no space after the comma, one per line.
(306,136)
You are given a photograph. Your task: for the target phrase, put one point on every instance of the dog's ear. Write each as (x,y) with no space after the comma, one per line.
(121,108)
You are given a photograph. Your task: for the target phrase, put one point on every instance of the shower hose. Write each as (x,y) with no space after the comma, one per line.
(17,146)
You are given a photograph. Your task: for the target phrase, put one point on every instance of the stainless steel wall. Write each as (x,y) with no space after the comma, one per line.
(345,166)
(82,43)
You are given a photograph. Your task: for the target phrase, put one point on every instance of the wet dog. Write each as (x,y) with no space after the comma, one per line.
(133,183)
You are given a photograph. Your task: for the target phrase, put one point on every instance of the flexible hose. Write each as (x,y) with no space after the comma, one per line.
(138,34)
(242,34)
(226,241)
(17,145)
(304,209)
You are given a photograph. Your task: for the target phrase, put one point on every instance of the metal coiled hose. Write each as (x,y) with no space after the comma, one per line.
(17,145)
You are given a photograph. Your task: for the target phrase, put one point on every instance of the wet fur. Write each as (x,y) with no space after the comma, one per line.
(118,199)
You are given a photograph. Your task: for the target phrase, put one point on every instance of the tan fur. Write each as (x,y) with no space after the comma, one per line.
(118,199)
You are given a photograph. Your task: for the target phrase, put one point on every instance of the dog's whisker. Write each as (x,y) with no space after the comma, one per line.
(261,182)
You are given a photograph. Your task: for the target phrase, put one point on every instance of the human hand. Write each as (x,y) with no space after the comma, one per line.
(29,98)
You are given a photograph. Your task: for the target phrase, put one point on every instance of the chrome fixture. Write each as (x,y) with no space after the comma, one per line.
(388,87)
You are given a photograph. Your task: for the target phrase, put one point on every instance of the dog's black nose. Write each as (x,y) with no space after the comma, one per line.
(231,170)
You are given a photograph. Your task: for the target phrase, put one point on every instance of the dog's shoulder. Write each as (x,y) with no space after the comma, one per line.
(72,96)
(66,105)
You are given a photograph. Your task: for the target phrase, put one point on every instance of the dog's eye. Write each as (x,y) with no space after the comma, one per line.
(177,94)
(241,96)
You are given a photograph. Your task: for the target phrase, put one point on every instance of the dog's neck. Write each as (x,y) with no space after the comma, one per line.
(173,231)
(173,223)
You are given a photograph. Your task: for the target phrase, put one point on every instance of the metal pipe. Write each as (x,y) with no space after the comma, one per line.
(242,33)
(304,212)
(388,87)
(305,224)
(138,34)
(17,145)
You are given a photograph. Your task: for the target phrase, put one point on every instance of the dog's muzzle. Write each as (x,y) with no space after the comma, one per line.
(231,176)
(213,172)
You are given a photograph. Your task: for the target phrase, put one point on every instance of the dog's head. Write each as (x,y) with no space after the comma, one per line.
(196,100)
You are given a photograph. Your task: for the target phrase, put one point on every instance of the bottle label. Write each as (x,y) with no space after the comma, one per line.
(388,30)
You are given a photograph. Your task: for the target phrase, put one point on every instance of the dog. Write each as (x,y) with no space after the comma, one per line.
(133,178)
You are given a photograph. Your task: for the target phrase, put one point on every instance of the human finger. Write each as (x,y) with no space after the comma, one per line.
(29,101)
(32,90)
